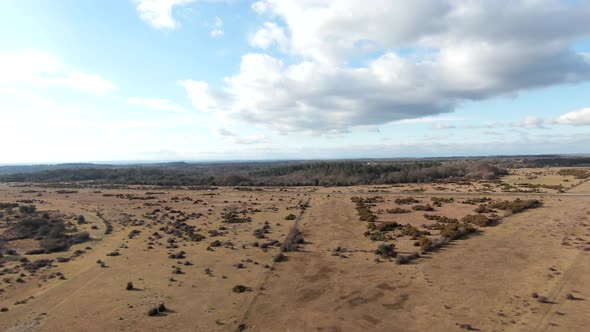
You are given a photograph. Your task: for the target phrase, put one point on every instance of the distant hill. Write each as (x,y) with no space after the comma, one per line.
(14,169)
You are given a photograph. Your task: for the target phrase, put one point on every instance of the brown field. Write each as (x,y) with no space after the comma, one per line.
(334,282)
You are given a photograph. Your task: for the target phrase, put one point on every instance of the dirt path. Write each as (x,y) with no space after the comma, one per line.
(315,291)
(485,282)
(264,283)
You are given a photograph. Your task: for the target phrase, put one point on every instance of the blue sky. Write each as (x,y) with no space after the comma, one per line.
(119,80)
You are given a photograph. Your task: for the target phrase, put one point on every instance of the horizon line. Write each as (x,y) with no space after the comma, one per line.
(229,161)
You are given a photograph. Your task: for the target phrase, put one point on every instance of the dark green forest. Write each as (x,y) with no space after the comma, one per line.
(328,173)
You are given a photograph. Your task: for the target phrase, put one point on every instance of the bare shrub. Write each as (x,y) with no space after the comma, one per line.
(406,201)
(517,205)
(456,231)
(80,237)
(293,240)
(398,210)
(386,250)
(426,207)
(279,258)
(240,289)
(478,219)
(53,244)
(402,259)
(35,252)
(387,226)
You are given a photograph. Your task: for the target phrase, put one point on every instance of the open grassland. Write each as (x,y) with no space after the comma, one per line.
(507,255)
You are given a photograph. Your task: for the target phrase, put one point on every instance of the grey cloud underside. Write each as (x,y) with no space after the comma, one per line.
(338,120)
(460,50)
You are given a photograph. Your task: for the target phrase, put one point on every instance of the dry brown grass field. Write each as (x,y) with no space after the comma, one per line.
(524,271)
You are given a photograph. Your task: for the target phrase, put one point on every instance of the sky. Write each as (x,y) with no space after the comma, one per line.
(196,80)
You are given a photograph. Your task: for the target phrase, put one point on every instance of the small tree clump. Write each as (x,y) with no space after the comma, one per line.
(27,209)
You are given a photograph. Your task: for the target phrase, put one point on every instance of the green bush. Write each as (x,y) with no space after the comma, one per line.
(27,209)
(29,226)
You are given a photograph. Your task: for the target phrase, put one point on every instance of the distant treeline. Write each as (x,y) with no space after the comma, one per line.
(557,162)
(335,173)
(14,169)
(354,173)
(11,169)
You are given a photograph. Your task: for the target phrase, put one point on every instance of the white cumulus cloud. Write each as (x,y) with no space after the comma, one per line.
(417,59)
(579,117)
(259,7)
(156,104)
(202,96)
(158,13)
(39,69)
(268,35)
(217,28)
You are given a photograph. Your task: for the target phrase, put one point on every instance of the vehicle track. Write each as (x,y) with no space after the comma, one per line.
(264,282)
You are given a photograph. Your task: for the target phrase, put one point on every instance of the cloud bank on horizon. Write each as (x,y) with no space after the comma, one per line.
(348,78)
